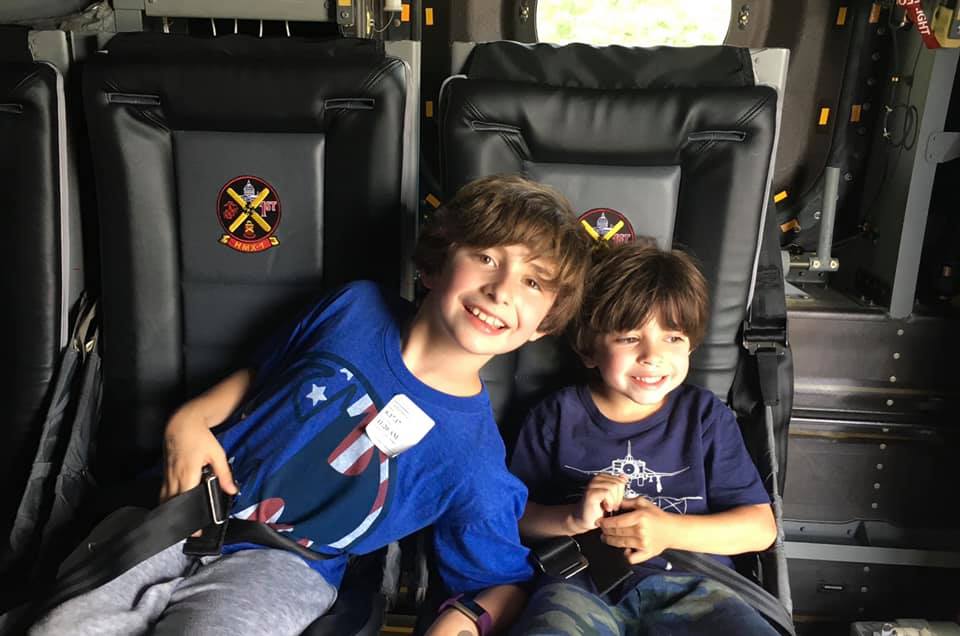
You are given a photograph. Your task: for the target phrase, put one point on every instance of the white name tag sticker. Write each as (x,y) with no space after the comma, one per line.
(400,425)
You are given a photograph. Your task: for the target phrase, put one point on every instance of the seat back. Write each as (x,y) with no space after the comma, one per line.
(676,143)
(237,179)
(42,274)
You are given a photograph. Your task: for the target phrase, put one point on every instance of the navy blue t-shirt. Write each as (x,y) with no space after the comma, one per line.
(688,457)
(304,464)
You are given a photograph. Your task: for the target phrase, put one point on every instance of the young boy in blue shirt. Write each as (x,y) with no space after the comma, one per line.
(667,456)
(303,447)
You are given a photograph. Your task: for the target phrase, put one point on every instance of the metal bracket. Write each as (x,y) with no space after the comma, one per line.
(943,147)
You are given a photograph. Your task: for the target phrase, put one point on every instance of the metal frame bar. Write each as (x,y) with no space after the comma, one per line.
(294,10)
(872,555)
(410,52)
(921,184)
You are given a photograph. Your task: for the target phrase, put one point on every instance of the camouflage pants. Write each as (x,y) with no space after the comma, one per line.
(659,605)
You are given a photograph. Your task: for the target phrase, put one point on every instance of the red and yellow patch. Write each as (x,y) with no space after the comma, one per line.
(248,209)
(607,224)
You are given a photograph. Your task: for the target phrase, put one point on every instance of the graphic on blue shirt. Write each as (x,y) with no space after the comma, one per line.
(349,477)
(636,471)
(304,464)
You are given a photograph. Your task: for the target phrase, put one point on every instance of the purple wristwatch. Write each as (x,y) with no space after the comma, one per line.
(472,609)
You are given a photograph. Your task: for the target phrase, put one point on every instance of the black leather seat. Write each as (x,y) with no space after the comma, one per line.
(42,273)
(190,282)
(237,180)
(678,143)
(612,140)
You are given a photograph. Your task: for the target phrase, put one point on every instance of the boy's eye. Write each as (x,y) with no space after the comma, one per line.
(533,283)
(627,340)
(483,259)
(676,339)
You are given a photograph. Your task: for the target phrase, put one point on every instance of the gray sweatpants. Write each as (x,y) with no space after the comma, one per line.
(261,591)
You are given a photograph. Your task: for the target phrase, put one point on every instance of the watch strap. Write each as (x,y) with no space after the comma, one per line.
(473,610)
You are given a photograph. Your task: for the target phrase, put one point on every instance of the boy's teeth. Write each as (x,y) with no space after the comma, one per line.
(490,320)
(649,380)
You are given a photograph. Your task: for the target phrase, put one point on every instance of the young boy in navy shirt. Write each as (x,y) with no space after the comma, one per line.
(666,456)
(308,446)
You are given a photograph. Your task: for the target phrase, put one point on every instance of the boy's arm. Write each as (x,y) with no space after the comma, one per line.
(603,494)
(646,530)
(502,602)
(188,442)
(542,522)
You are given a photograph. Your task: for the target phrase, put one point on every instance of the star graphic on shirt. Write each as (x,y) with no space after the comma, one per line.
(316,394)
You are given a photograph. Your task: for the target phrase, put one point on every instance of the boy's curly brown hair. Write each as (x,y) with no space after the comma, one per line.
(633,282)
(506,210)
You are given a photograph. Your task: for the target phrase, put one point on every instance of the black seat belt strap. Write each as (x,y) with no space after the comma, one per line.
(765,329)
(758,598)
(160,528)
(204,506)
(243,531)
(561,557)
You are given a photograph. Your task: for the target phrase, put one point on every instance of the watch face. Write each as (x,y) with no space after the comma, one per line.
(471,608)
(476,613)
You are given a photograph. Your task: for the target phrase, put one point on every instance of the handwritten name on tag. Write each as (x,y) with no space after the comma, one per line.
(400,425)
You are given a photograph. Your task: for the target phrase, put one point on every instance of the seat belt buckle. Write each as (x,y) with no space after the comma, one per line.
(757,339)
(210,540)
(219,500)
(767,346)
(560,557)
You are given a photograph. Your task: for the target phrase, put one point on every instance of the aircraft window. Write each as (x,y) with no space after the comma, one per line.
(633,22)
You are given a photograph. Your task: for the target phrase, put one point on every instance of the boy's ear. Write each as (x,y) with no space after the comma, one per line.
(427,279)
(587,360)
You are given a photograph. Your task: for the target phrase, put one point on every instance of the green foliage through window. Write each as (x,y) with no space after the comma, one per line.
(633,22)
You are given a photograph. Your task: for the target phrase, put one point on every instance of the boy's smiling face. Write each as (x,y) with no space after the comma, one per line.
(491,300)
(639,368)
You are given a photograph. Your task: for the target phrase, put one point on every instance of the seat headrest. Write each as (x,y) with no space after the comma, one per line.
(612,67)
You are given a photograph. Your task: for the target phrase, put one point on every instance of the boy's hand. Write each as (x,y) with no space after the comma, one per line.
(644,531)
(188,446)
(604,494)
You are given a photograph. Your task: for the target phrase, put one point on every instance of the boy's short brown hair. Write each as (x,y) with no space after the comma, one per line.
(511,210)
(633,282)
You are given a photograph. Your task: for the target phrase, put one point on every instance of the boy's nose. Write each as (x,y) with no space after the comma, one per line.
(650,357)
(499,290)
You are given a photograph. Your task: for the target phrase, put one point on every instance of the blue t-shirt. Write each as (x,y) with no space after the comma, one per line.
(688,457)
(303,463)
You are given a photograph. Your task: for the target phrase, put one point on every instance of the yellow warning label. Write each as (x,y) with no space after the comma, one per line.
(874,13)
(428,109)
(780,196)
(432,200)
(842,16)
(945,27)
(792,224)
(405,12)
(428,16)
(855,113)
(824,116)
(344,3)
